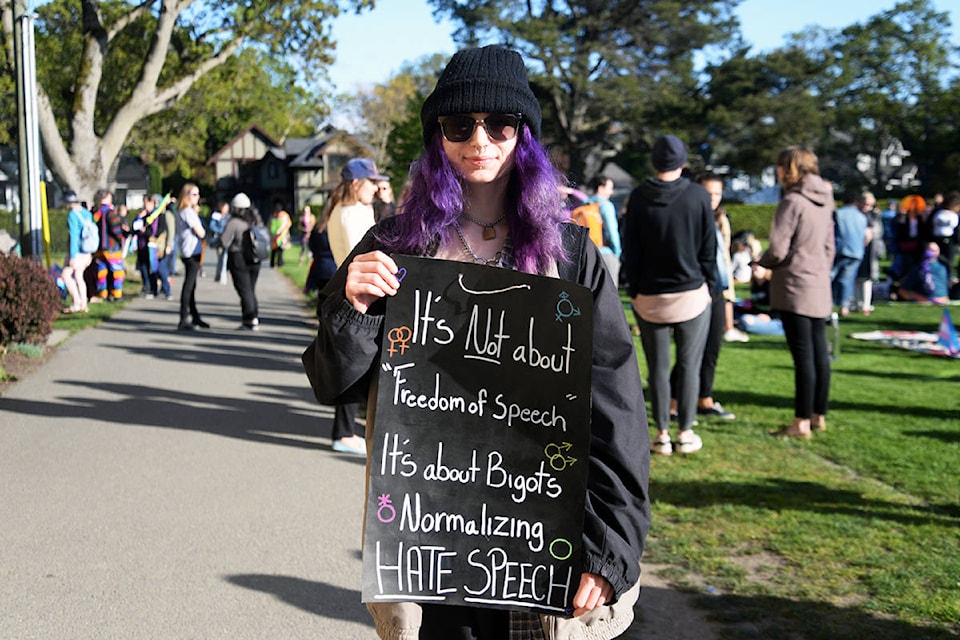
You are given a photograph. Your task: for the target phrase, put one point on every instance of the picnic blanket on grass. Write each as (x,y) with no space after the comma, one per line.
(943,343)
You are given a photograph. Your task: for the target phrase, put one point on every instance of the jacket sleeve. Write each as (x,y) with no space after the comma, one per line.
(617,506)
(341,358)
(708,248)
(781,234)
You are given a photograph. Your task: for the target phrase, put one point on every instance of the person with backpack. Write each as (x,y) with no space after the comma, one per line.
(602,188)
(84,240)
(236,240)
(484,191)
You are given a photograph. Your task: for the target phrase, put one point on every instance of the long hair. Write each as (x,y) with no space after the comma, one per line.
(185,191)
(434,201)
(344,191)
(797,163)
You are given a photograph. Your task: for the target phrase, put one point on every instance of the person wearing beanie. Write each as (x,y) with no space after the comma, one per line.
(485,192)
(243,273)
(670,249)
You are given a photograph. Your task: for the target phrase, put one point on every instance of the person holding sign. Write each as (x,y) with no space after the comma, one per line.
(485,192)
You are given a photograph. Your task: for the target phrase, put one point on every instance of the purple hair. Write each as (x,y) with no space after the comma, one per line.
(534,205)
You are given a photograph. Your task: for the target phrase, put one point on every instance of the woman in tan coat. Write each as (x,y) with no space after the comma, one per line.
(800,256)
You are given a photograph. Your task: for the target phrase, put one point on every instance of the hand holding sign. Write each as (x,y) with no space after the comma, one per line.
(370,276)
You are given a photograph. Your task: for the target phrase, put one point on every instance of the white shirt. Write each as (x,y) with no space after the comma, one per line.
(346,228)
(187,220)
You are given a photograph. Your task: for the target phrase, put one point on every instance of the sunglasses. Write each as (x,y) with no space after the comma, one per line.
(499,126)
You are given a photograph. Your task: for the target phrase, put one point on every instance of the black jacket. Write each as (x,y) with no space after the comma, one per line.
(670,240)
(346,353)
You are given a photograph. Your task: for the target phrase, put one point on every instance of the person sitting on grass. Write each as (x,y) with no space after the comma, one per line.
(927,281)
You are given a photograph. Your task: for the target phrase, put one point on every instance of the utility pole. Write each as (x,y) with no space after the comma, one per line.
(31,221)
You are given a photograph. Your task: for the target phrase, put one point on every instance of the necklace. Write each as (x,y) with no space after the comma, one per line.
(489,233)
(494,261)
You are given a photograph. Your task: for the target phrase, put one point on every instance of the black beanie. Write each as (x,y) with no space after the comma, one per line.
(491,79)
(669,153)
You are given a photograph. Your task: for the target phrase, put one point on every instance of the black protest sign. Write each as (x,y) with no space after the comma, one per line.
(479,467)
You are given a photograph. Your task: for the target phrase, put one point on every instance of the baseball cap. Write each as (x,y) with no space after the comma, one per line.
(70,197)
(361,169)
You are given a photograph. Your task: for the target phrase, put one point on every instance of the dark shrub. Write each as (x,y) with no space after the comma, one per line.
(29,301)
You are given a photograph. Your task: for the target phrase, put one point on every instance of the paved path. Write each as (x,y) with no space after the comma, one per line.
(157,484)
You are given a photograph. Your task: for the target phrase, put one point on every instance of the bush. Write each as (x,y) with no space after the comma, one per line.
(756,217)
(29,301)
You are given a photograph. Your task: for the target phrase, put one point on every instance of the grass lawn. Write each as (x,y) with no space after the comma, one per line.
(851,535)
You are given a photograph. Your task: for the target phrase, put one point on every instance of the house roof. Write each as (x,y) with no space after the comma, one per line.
(254,130)
(311,149)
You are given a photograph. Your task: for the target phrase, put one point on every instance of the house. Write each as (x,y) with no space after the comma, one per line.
(297,172)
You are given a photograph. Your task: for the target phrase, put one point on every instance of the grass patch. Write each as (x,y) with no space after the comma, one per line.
(861,522)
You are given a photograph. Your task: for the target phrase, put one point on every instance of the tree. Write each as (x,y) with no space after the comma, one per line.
(394,105)
(250,87)
(888,76)
(600,66)
(125,62)
(757,105)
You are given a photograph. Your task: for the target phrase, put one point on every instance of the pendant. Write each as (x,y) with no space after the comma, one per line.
(489,233)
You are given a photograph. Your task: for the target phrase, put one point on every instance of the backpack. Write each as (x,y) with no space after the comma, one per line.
(588,215)
(255,245)
(89,237)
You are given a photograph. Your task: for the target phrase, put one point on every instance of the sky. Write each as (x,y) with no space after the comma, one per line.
(372,47)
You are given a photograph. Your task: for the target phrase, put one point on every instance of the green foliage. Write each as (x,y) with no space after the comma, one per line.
(758,105)
(248,88)
(406,140)
(29,301)
(598,66)
(756,217)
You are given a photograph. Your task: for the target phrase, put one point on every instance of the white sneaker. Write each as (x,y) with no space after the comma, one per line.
(688,442)
(735,335)
(662,445)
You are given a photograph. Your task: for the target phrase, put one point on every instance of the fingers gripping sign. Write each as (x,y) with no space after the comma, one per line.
(594,591)
(371,276)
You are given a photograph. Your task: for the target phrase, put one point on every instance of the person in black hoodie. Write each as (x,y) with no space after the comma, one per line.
(670,259)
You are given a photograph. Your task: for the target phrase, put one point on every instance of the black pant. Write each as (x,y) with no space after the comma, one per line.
(455,622)
(345,421)
(276,257)
(188,302)
(245,282)
(807,340)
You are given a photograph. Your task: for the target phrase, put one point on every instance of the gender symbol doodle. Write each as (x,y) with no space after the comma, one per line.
(385,511)
(398,337)
(556,455)
(565,308)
